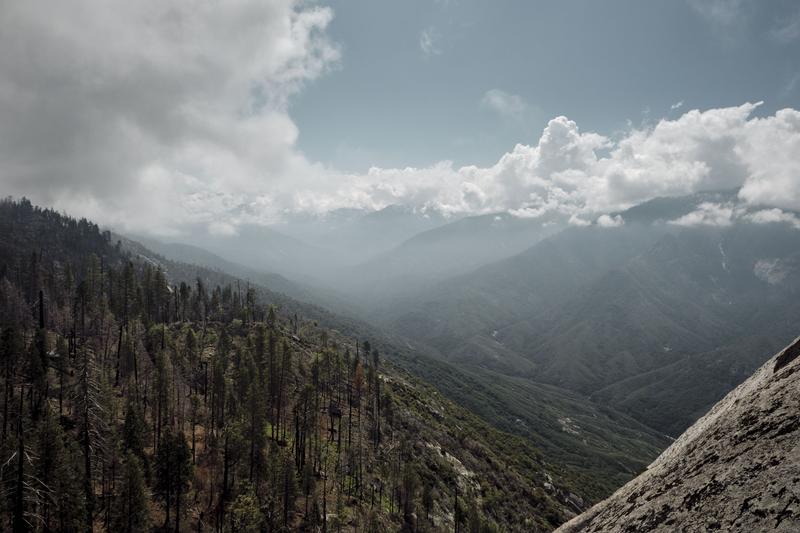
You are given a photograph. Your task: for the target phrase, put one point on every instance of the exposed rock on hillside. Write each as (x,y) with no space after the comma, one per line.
(736,469)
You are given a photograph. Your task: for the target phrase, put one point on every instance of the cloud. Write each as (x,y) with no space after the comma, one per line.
(505,104)
(723,215)
(717,149)
(788,31)
(773,216)
(772,271)
(221,228)
(769,149)
(607,221)
(429,42)
(154,114)
(676,105)
(707,214)
(576,220)
(163,118)
(720,12)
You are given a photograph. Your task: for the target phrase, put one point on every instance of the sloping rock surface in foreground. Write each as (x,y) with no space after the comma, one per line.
(736,469)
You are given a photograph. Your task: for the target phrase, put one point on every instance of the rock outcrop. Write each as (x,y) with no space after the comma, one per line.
(735,469)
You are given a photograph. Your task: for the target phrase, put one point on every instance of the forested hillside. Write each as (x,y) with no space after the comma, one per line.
(598,448)
(655,319)
(133,401)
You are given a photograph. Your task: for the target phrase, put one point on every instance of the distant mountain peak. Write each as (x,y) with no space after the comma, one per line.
(667,208)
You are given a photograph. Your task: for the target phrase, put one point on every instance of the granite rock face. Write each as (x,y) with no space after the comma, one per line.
(735,469)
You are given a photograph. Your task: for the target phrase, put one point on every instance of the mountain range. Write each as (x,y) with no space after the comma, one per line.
(597,342)
(653,315)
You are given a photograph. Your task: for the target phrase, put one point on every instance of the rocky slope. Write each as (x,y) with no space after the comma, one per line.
(736,469)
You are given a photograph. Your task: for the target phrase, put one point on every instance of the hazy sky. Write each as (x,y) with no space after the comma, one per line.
(168,116)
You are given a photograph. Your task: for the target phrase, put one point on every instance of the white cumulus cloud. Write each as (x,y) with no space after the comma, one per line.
(167,117)
(707,214)
(607,221)
(570,171)
(773,216)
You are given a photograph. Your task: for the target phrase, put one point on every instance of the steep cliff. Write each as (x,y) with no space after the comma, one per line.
(736,469)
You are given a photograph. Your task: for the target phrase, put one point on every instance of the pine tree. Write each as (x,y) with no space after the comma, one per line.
(173,473)
(134,429)
(131,511)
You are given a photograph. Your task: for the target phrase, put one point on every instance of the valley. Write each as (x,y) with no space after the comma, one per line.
(654,319)
(452,266)
(598,344)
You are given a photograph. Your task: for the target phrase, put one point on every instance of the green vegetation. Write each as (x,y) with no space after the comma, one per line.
(653,320)
(132,398)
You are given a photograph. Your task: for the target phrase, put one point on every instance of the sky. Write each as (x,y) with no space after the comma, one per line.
(165,117)
(479,77)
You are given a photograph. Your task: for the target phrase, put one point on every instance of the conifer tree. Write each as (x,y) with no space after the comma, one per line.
(131,512)
(173,473)
(134,429)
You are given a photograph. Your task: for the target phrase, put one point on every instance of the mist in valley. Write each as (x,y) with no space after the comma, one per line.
(277,265)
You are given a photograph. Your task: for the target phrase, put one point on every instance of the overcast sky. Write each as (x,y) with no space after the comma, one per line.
(156,116)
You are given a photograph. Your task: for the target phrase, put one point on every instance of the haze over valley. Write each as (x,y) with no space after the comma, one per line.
(283,265)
